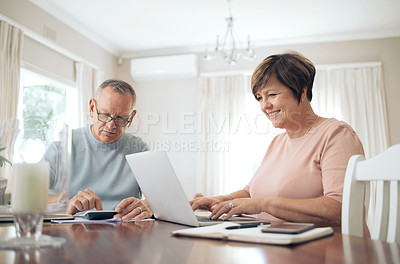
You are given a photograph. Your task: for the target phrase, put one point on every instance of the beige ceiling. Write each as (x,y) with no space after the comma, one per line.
(154,27)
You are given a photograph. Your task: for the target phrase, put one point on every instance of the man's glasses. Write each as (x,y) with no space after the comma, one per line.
(118,121)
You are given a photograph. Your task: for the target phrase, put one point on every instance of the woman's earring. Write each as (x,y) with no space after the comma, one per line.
(301,99)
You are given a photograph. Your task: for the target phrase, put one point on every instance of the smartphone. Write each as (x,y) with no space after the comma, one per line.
(288,228)
(96,215)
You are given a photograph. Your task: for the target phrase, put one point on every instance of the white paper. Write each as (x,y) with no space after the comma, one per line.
(104,221)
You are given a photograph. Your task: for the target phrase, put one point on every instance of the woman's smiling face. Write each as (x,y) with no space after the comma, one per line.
(279,104)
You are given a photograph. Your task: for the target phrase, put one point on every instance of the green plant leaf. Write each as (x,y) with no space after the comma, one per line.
(3,160)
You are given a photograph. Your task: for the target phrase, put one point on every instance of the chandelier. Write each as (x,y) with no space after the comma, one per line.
(230,47)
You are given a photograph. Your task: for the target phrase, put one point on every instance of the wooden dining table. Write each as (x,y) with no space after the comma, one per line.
(152,242)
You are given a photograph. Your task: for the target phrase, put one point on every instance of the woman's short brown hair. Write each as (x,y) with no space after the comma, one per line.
(291,69)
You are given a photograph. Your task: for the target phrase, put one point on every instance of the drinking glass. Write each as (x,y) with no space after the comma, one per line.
(3,186)
(30,193)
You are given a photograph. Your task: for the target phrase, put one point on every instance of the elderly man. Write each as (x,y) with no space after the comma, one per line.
(100,176)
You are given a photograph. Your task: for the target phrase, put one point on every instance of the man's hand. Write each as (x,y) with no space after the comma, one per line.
(133,208)
(84,200)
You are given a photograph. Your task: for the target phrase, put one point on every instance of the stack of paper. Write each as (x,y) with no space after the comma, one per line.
(9,218)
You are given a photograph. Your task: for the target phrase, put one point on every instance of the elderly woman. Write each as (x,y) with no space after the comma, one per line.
(301,176)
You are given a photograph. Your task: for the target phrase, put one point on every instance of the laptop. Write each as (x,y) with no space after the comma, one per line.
(157,179)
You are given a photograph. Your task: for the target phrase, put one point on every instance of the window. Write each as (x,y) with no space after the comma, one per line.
(42,102)
(248,144)
(239,126)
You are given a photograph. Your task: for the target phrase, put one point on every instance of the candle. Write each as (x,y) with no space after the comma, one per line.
(30,188)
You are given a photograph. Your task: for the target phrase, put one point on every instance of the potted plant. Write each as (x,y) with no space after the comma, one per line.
(3,181)
(3,160)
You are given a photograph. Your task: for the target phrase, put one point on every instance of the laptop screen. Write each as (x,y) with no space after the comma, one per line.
(161,187)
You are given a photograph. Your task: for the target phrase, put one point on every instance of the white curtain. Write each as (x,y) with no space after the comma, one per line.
(230,130)
(355,93)
(11,42)
(87,81)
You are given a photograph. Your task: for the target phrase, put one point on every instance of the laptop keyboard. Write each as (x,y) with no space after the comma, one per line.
(206,219)
(238,219)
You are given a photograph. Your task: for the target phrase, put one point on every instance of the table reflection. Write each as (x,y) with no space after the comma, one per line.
(371,251)
(152,242)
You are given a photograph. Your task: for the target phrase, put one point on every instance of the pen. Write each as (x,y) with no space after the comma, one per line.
(247,225)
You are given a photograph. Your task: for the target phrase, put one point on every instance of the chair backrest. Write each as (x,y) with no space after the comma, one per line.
(384,169)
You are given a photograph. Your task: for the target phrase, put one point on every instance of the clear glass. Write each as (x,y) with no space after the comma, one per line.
(32,196)
(3,186)
(45,107)
(59,142)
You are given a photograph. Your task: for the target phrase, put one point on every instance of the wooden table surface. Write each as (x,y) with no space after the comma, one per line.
(151,242)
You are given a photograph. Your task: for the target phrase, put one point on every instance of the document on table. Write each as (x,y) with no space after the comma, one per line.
(9,218)
(104,221)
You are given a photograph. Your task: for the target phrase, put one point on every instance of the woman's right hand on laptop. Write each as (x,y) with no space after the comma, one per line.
(206,203)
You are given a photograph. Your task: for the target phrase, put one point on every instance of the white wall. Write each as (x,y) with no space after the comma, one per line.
(54,55)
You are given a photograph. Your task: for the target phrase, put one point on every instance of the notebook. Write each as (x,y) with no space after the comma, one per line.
(253,235)
(164,193)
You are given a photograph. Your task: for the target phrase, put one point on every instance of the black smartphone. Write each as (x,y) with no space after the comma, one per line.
(96,215)
(288,228)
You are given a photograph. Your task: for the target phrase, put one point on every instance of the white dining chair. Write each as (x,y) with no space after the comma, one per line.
(384,169)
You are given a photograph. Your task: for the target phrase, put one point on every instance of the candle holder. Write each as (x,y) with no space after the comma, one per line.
(30,195)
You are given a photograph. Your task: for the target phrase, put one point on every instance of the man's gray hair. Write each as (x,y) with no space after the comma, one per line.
(118,86)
